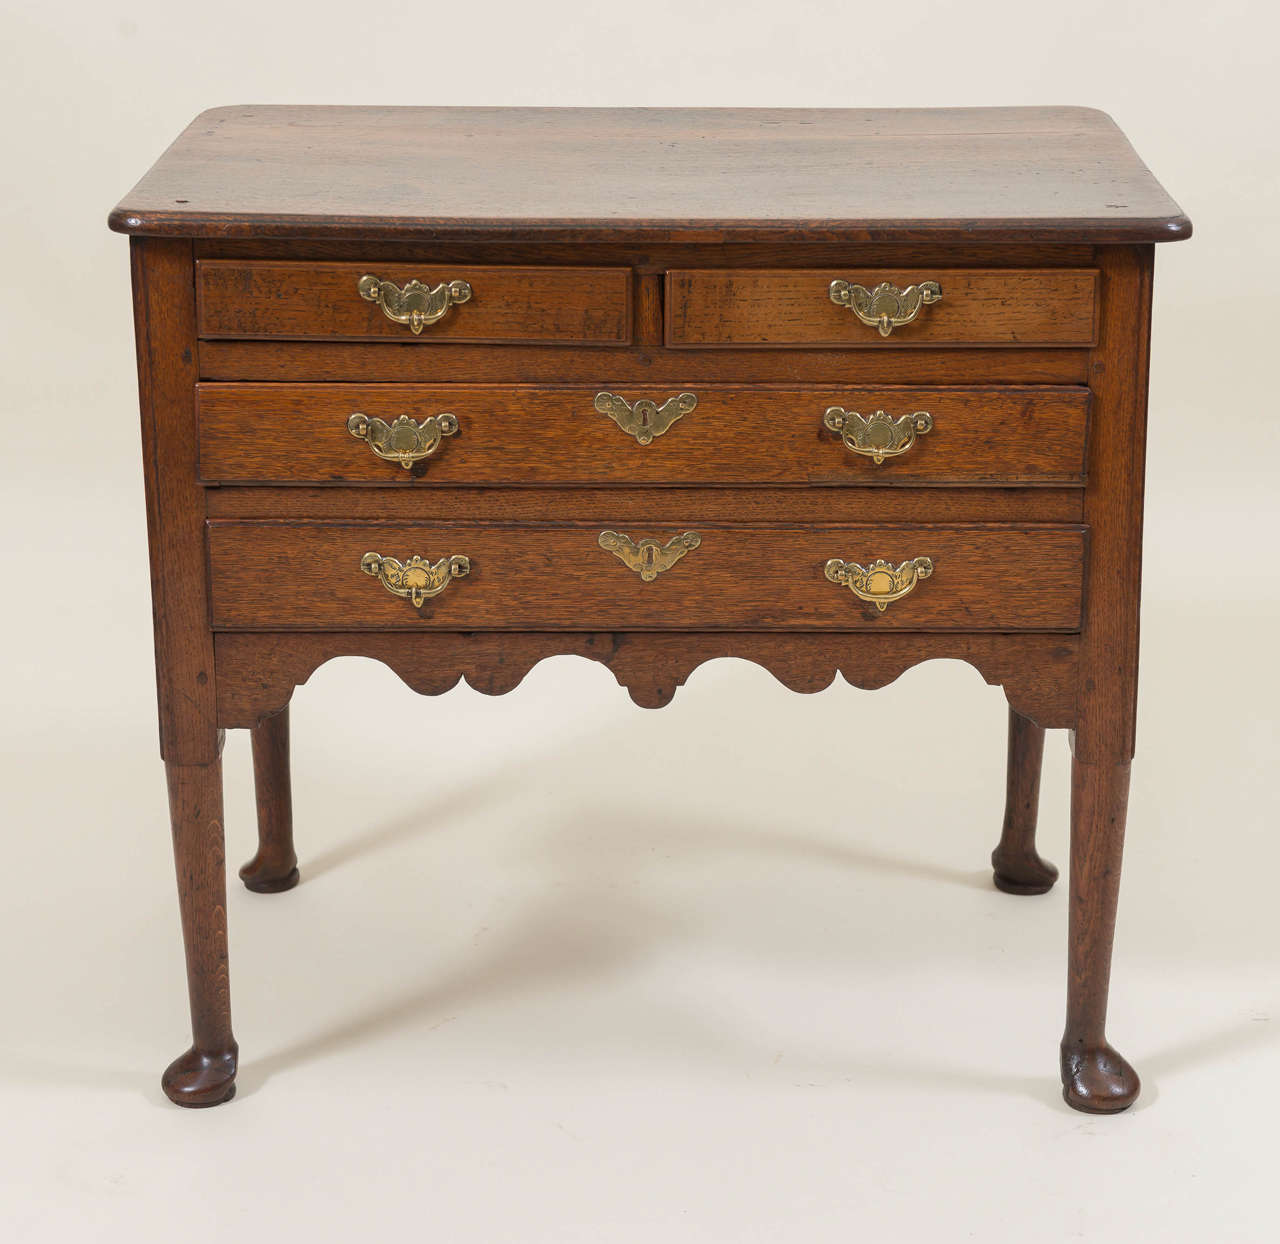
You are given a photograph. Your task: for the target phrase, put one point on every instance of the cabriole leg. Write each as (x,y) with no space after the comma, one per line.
(275,866)
(206,1074)
(1018,867)
(1094,1077)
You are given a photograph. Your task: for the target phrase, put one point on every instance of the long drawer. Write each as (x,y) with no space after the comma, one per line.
(628,435)
(819,307)
(336,575)
(412,302)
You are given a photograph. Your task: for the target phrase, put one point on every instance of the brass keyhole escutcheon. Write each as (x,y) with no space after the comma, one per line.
(644,419)
(648,558)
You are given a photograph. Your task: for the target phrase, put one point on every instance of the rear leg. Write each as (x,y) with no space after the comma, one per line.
(1018,866)
(275,866)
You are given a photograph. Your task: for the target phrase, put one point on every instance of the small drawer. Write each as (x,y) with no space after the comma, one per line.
(412,302)
(359,576)
(437,435)
(881,308)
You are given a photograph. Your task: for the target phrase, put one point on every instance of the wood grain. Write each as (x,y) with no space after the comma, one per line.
(259,671)
(164,322)
(1018,866)
(306,361)
(526,435)
(654,259)
(789,307)
(307,576)
(274,866)
(654,174)
(206,1074)
(673,506)
(320,301)
(647,252)
(1108,691)
(1095,1077)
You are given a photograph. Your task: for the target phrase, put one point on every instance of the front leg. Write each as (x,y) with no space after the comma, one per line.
(275,866)
(1018,867)
(1095,1078)
(206,1074)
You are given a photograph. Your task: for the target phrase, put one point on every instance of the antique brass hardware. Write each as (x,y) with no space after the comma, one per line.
(416,579)
(415,304)
(644,419)
(886,307)
(404,440)
(648,558)
(877,436)
(881,582)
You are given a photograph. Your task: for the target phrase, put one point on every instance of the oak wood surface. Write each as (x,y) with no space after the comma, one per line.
(654,174)
(274,866)
(257,672)
(786,307)
(320,300)
(1095,1077)
(524,435)
(672,506)
(1108,690)
(164,323)
(206,1074)
(307,575)
(647,322)
(1018,866)
(647,252)
(653,259)
(353,362)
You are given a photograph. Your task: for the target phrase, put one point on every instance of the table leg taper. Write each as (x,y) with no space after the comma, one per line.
(1095,1078)
(1019,869)
(206,1074)
(275,866)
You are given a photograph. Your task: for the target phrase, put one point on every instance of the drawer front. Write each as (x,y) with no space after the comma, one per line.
(470,304)
(281,575)
(794,307)
(625,435)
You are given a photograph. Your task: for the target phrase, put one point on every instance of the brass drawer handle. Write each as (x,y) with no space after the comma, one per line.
(645,419)
(877,436)
(416,579)
(881,582)
(416,304)
(404,440)
(886,307)
(648,558)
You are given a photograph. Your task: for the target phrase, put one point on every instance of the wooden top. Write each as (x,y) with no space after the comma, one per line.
(654,175)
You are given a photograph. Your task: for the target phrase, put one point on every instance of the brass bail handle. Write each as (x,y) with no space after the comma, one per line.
(877,436)
(416,580)
(886,307)
(880,582)
(414,304)
(403,440)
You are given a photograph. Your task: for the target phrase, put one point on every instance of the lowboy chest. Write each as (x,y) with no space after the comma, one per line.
(834,391)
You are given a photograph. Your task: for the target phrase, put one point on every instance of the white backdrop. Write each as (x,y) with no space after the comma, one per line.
(559,1006)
